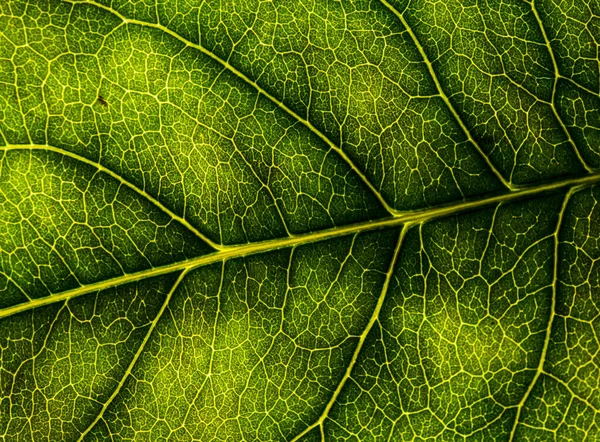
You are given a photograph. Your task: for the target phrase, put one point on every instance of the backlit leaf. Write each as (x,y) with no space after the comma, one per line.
(308,220)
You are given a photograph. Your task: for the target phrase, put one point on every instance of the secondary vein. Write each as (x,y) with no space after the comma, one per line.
(540,367)
(119,178)
(445,98)
(135,357)
(361,341)
(258,88)
(554,86)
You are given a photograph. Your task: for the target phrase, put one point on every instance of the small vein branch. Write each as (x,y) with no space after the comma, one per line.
(540,367)
(135,357)
(361,341)
(445,98)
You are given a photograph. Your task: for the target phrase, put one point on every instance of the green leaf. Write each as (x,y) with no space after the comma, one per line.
(244,220)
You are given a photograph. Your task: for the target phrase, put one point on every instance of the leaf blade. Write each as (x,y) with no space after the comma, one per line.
(269,154)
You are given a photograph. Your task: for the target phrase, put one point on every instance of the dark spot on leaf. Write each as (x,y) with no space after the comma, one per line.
(101,100)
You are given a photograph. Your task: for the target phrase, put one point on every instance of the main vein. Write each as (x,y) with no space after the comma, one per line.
(257,87)
(239,251)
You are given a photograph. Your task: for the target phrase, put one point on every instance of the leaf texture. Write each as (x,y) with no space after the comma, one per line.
(357,220)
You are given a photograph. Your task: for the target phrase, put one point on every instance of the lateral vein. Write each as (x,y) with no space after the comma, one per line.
(257,87)
(557,75)
(135,357)
(361,341)
(540,367)
(445,98)
(119,178)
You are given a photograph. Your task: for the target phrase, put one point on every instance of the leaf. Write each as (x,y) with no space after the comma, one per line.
(361,220)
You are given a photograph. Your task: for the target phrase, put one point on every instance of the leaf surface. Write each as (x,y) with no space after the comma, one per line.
(366,220)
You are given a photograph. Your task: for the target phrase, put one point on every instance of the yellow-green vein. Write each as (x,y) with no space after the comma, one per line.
(257,87)
(361,341)
(119,178)
(540,367)
(135,357)
(239,251)
(554,86)
(445,98)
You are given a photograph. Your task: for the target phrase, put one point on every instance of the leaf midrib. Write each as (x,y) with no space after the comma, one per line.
(240,251)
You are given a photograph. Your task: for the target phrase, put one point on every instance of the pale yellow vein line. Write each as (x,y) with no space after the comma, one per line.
(540,367)
(573,393)
(240,251)
(258,88)
(361,341)
(553,99)
(123,181)
(580,86)
(136,356)
(445,98)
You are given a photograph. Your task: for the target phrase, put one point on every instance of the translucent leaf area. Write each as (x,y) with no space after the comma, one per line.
(299,220)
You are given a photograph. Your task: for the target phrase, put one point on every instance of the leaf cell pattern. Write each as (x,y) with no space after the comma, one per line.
(264,220)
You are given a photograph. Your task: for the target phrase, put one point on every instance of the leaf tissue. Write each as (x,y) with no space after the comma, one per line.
(299,220)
